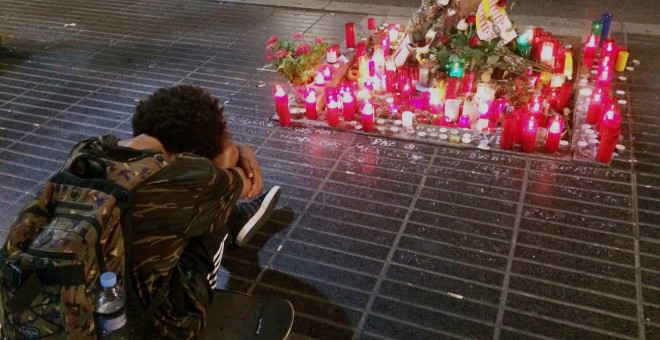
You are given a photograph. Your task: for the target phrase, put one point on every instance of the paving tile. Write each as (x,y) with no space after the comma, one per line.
(648,217)
(368,195)
(579,297)
(577,233)
(374,172)
(577,278)
(583,171)
(344,244)
(594,197)
(616,213)
(368,219)
(457,239)
(472,189)
(486,203)
(488,216)
(348,202)
(571,219)
(461,225)
(567,313)
(431,318)
(373,235)
(474,177)
(549,328)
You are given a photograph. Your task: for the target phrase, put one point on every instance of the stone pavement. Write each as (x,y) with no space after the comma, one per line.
(373,238)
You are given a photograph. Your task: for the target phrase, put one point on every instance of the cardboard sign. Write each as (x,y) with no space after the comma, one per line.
(493,22)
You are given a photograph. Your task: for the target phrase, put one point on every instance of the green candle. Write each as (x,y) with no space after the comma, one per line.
(596,27)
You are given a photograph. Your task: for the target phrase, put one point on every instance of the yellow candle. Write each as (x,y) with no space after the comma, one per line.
(568,65)
(621,60)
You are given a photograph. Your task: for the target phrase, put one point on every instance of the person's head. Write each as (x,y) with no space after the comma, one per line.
(183,118)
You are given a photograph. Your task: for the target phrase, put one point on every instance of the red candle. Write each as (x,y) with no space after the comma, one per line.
(590,50)
(332,112)
(385,45)
(453,84)
(350,35)
(310,104)
(609,49)
(467,83)
(608,110)
(282,106)
(521,118)
(529,133)
(349,105)
(508,131)
(553,137)
(371,24)
(464,122)
(604,79)
(361,48)
(595,107)
(564,96)
(403,78)
(609,135)
(367,117)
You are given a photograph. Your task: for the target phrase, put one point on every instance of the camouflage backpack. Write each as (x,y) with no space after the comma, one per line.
(62,241)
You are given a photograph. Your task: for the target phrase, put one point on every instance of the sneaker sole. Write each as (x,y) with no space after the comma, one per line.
(260,217)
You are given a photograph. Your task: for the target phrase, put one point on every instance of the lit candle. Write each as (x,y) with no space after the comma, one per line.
(485,92)
(385,44)
(483,121)
(564,96)
(557,80)
(621,60)
(424,75)
(327,72)
(332,112)
(606,20)
(609,51)
(378,58)
(363,66)
(350,35)
(435,101)
(548,54)
(349,105)
(451,109)
(609,136)
(596,27)
(390,74)
(508,129)
(604,79)
(319,79)
(595,106)
(331,55)
(456,70)
(310,104)
(553,137)
(524,45)
(407,90)
(282,106)
(470,110)
(530,131)
(393,33)
(464,121)
(367,117)
(590,50)
(407,119)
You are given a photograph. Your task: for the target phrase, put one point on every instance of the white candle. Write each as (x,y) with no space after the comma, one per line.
(451,109)
(407,119)
(319,79)
(424,76)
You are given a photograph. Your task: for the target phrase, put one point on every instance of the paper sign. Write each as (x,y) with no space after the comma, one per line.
(493,22)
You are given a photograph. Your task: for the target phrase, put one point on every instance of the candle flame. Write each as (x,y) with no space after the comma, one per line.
(532,123)
(332,104)
(555,127)
(279,91)
(591,42)
(368,108)
(311,96)
(347,97)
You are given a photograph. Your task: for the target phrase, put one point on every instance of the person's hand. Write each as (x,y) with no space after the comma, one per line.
(248,162)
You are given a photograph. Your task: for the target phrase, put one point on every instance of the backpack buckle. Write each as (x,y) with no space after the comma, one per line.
(15,277)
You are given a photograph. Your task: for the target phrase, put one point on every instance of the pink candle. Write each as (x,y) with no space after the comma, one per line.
(554,135)
(332,112)
(609,49)
(310,104)
(282,105)
(385,44)
(609,136)
(349,105)
(595,107)
(435,101)
(604,79)
(403,78)
(464,122)
(367,117)
(528,142)
(350,35)
(468,82)
(319,79)
(327,72)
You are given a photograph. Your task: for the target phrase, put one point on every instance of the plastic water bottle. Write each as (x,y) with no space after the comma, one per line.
(109,312)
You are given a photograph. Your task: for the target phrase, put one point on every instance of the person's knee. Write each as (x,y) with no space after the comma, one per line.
(228,157)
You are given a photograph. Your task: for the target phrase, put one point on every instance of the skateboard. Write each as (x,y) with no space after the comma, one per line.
(239,316)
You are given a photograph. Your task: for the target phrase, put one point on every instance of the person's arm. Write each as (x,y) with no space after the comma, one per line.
(243,157)
(247,182)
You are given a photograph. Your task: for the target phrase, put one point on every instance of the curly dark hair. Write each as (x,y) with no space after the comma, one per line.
(183,118)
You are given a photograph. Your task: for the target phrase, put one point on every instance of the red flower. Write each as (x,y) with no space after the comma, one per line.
(471,20)
(445,40)
(272,40)
(474,41)
(303,49)
(319,40)
(281,54)
(269,57)
(501,3)
(298,36)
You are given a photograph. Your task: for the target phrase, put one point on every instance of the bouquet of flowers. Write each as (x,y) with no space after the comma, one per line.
(298,59)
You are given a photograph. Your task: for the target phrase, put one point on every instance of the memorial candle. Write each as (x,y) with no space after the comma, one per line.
(435,101)
(467,83)
(547,57)
(609,136)
(371,24)
(349,105)
(385,44)
(595,106)
(553,137)
(310,104)
(609,50)
(621,60)
(363,66)
(590,51)
(453,86)
(282,106)
(332,112)
(606,20)
(568,65)
(393,33)
(452,107)
(319,79)
(464,121)
(407,119)
(596,27)
(508,129)
(564,96)
(350,35)
(331,55)
(529,133)
(367,115)
(524,45)
(390,74)
(327,72)
(378,58)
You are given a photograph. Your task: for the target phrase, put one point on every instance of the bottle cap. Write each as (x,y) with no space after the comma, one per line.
(108,279)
